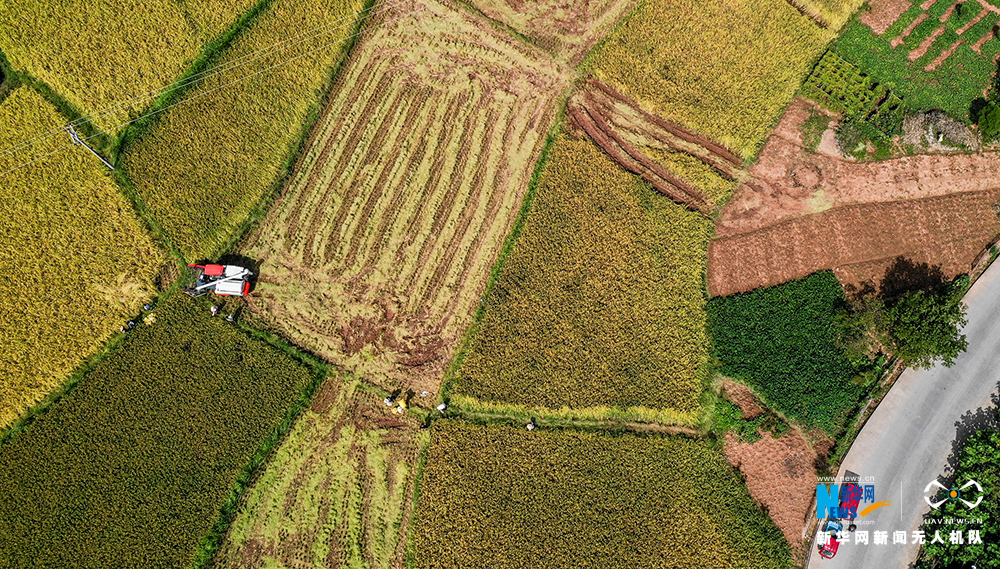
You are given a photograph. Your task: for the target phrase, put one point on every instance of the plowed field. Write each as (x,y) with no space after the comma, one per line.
(337,491)
(858,241)
(789,181)
(378,251)
(801,212)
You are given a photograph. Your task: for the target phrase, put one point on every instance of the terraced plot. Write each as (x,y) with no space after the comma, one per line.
(378,250)
(723,69)
(565,29)
(205,165)
(498,496)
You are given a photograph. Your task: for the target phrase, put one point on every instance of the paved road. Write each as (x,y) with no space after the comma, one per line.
(908,440)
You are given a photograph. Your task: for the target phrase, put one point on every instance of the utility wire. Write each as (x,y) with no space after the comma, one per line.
(206,73)
(210,91)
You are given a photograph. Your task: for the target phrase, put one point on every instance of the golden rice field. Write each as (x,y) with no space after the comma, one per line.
(207,163)
(336,493)
(379,249)
(74,260)
(830,13)
(565,29)
(600,302)
(97,53)
(499,496)
(726,69)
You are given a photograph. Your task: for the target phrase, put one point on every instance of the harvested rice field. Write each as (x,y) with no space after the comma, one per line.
(377,253)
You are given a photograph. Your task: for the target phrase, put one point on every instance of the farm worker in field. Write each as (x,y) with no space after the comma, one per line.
(149,319)
(215,310)
(401,406)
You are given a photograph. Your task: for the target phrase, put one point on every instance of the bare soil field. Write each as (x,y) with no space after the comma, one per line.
(336,493)
(565,28)
(857,241)
(620,127)
(788,181)
(883,14)
(378,250)
(781,475)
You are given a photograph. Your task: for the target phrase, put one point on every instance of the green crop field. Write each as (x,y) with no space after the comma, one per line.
(600,302)
(98,53)
(131,468)
(75,262)
(781,341)
(954,83)
(205,165)
(726,69)
(503,497)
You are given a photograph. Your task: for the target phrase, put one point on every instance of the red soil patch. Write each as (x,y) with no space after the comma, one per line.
(742,397)
(883,13)
(859,241)
(788,181)
(780,476)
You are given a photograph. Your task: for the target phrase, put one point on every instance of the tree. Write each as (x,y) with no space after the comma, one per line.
(923,325)
(916,315)
(989,122)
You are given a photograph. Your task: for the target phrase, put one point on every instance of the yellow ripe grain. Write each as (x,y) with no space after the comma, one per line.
(74,260)
(97,53)
(726,68)
(207,162)
(600,302)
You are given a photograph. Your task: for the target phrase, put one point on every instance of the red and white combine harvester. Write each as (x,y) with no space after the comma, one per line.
(227,280)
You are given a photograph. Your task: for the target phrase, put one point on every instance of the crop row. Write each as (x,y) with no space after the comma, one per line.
(838,84)
(724,69)
(207,163)
(498,496)
(75,262)
(131,468)
(599,302)
(405,193)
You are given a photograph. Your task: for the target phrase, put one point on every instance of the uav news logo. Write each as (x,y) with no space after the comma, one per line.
(953,494)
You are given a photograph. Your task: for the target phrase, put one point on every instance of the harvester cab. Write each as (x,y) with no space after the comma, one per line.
(225,280)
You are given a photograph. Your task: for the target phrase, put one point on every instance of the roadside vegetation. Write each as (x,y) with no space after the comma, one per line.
(132,467)
(782,341)
(599,303)
(75,262)
(916,316)
(205,165)
(93,58)
(978,459)
(725,69)
(336,492)
(498,496)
